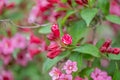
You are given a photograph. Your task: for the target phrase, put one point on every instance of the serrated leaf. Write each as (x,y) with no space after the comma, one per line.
(114,57)
(88,49)
(88,14)
(113,19)
(77,30)
(49,63)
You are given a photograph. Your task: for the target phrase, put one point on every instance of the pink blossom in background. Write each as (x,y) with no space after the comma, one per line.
(98,74)
(55,73)
(6,58)
(19,41)
(7,46)
(6,75)
(114,8)
(23,58)
(65,77)
(78,78)
(70,67)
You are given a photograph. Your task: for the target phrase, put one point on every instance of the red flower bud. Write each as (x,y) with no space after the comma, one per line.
(34,39)
(81,2)
(51,36)
(55,30)
(53,1)
(103,49)
(109,50)
(11,5)
(67,39)
(116,51)
(53,46)
(107,43)
(52,54)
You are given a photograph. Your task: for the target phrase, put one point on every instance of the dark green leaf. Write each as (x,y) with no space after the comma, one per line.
(77,30)
(88,49)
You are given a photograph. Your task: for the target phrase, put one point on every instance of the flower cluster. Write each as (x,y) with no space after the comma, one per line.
(69,67)
(56,43)
(18,44)
(106,48)
(97,74)
(82,2)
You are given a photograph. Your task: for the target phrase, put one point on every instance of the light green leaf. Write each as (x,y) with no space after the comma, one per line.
(88,14)
(77,30)
(113,19)
(88,49)
(49,63)
(45,29)
(114,57)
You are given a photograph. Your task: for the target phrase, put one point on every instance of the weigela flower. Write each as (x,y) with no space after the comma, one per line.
(65,77)
(55,73)
(19,41)
(70,67)
(116,51)
(6,75)
(55,30)
(7,46)
(78,78)
(97,74)
(67,39)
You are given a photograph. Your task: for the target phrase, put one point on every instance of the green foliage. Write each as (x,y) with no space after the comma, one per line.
(45,29)
(104,6)
(114,57)
(88,49)
(77,30)
(113,19)
(88,14)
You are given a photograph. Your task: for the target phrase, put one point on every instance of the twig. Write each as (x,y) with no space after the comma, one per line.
(36,25)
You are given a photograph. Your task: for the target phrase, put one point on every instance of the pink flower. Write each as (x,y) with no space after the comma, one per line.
(6,75)
(55,73)
(70,67)
(19,41)
(97,74)
(67,39)
(23,58)
(55,30)
(65,77)
(78,78)
(6,58)
(7,46)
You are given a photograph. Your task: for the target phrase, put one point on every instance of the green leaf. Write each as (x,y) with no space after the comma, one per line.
(88,14)
(113,19)
(104,6)
(88,49)
(49,63)
(68,14)
(86,72)
(99,43)
(45,29)
(78,58)
(114,57)
(77,30)
(116,75)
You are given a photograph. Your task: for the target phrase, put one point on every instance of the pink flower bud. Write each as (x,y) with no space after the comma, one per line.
(67,39)
(55,30)
(34,39)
